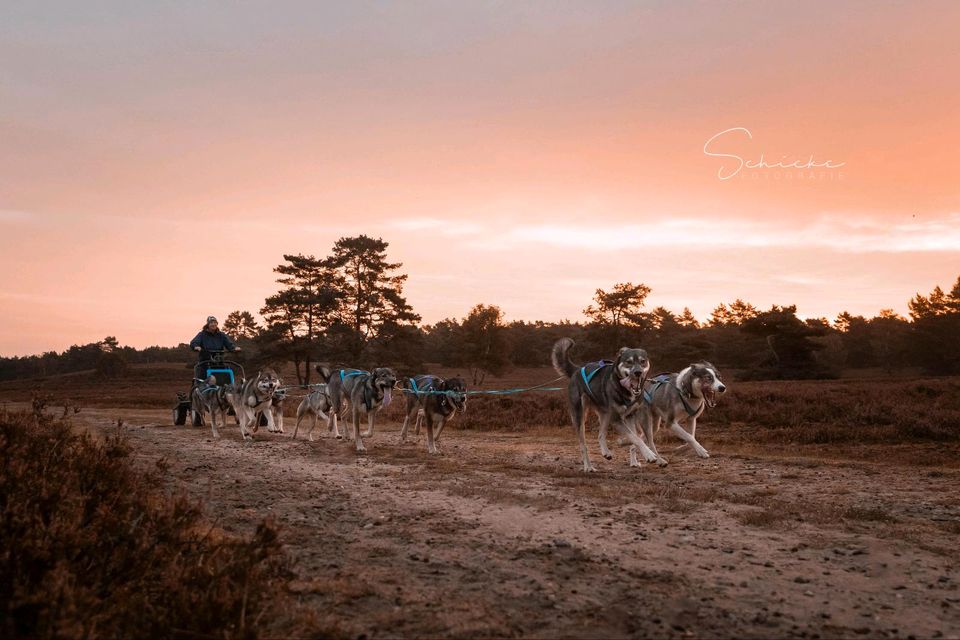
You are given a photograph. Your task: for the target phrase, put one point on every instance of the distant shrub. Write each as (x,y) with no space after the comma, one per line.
(91,548)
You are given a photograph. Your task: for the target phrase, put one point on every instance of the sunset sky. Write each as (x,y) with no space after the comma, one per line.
(158,158)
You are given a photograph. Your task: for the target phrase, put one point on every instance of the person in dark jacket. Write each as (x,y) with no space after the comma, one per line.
(210,339)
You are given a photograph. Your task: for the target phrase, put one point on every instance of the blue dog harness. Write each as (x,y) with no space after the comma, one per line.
(349,373)
(428,380)
(663,379)
(587,377)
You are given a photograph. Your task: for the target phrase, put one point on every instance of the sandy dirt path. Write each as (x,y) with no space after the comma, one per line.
(500,535)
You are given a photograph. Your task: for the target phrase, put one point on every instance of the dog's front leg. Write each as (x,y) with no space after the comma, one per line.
(369,432)
(647,424)
(631,435)
(420,414)
(682,433)
(271,425)
(213,424)
(440,426)
(403,429)
(356,431)
(244,417)
(332,421)
(431,440)
(279,420)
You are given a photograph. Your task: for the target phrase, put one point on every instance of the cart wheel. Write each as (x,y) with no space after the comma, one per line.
(180,416)
(197,419)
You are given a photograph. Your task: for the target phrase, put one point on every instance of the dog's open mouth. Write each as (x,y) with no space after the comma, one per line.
(633,384)
(710,397)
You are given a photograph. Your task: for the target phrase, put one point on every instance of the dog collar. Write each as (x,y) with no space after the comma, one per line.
(686,405)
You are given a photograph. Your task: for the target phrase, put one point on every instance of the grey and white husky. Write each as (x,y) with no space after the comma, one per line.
(253,397)
(612,389)
(436,400)
(209,397)
(369,393)
(316,404)
(680,399)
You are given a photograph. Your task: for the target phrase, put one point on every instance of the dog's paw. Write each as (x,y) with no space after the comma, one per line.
(650,456)
(361,448)
(590,469)
(608,456)
(703,453)
(662,462)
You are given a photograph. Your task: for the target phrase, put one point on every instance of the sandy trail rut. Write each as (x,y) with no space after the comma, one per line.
(500,535)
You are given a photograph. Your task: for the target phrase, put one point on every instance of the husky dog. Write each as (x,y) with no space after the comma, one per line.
(208,397)
(316,403)
(614,390)
(340,386)
(370,393)
(254,397)
(276,409)
(678,399)
(436,400)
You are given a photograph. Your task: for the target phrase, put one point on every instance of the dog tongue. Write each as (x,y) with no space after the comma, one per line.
(626,383)
(387,396)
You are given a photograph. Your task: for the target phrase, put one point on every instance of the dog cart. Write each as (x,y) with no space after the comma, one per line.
(225,371)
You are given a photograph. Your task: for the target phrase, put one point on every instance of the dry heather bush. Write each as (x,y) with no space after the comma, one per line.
(841,411)
(91,548)
(809,412)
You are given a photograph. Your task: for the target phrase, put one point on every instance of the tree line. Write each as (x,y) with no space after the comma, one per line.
(349,307)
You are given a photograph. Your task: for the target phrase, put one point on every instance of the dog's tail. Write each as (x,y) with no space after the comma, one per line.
(560,357)
(325,372)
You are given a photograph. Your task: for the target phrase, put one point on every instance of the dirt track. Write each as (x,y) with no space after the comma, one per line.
(500,535)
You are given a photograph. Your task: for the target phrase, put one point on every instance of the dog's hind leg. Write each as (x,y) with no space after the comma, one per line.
(604,425)
(300,411)
(682,433)
(579,414)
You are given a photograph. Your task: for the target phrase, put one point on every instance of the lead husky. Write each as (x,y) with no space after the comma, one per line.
(438,400)
(678,399)
(254,397)
(614,390)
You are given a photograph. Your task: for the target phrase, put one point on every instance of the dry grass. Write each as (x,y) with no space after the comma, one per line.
(91,548)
